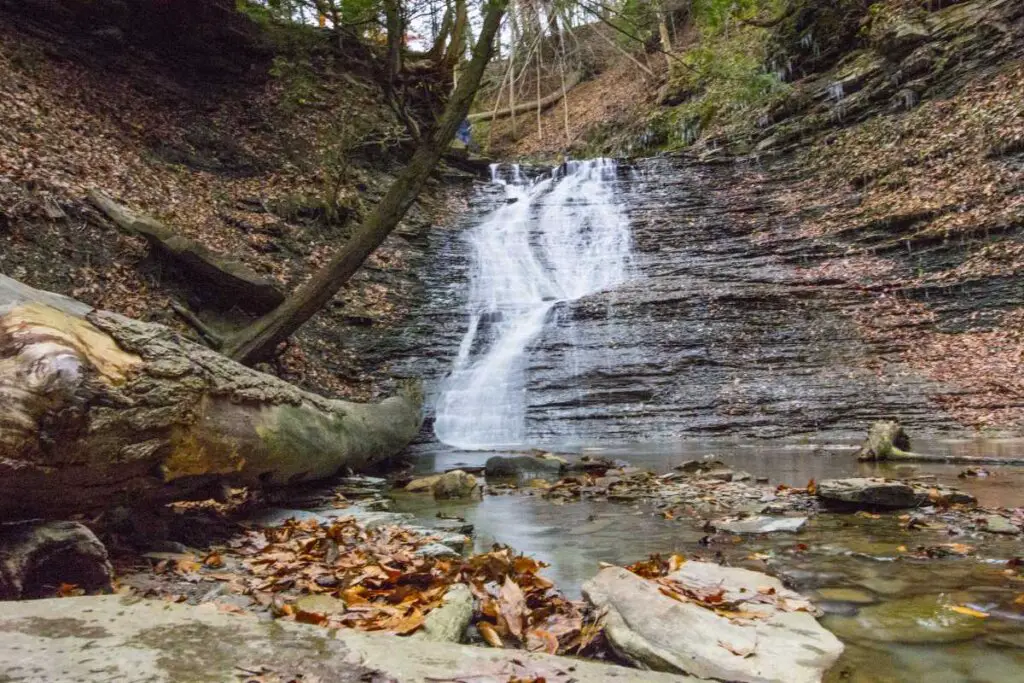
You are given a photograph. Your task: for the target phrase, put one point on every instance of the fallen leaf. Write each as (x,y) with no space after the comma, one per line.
(491,636)
(961,609)
(512,605)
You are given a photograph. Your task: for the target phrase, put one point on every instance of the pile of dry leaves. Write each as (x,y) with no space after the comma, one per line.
(377,579)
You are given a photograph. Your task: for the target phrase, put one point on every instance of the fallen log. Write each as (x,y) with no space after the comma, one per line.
(97,410)
(543,103)
(226,280)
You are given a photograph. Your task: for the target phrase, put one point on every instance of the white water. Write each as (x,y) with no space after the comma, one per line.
(558,239)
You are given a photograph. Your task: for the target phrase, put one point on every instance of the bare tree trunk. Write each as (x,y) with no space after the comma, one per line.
(259,340)
(396,36)
(437,49)
(98,410)
(457,46)
(663,34)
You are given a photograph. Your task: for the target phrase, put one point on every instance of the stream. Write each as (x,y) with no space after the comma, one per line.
(610,310)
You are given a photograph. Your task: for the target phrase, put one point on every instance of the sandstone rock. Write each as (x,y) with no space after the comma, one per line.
(854,596)
(320,604)
(455,484)
(37,557)
(136,641)
(997,524)
(423,484)
(918,620)
(448,622)
(657,632)
(888,493)
(760,524)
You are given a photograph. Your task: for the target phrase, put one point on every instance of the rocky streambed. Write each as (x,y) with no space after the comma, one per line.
(898,573)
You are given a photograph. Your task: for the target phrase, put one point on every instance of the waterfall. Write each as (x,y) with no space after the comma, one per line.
(555,239)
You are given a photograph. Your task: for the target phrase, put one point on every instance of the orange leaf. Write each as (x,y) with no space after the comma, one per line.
(489,634)
(539,640)
(960,609)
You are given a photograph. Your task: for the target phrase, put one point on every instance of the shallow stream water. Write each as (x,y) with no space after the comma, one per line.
(892,612)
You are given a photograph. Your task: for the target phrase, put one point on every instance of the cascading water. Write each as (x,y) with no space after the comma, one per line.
(556,239)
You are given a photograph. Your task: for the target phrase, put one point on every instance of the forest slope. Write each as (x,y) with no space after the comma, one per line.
(264,146)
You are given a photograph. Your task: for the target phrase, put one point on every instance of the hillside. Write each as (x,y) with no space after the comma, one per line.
(260,143)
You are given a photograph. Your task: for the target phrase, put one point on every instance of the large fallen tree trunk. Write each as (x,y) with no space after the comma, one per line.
(97,409)
(543,103)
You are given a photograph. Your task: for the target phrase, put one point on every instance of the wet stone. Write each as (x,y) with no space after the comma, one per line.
(916,620)
(853,596)
(997,524)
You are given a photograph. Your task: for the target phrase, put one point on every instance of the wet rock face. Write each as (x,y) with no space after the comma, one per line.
(714,333)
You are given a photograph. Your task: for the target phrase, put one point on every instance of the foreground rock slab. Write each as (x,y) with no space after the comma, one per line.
(759,641)
(113,638)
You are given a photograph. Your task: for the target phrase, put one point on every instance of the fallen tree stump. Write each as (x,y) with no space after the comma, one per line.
(888,442)
(37,557)
(99,410)
(227,280)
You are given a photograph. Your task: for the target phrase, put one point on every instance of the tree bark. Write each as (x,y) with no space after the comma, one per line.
(457,45)
(259,340)
(543,103)
(97,410)
(437,49)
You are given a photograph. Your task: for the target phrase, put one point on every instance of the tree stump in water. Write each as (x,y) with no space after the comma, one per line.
(98,410)
(886,440)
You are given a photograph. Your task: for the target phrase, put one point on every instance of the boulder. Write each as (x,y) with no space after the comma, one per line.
(873,492)
(116,638)
(422,484)
(37,557)
(515,465)
(448,622)
(769,635)
(455,484)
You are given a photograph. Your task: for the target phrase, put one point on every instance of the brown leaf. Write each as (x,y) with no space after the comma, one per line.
(539,640)
(512,605)
(490,635)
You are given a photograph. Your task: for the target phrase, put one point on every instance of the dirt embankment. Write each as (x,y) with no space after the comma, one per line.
(262,145)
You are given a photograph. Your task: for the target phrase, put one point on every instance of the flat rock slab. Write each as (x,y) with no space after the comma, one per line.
(658,632)
(114,638)
(873,492)
(760,524)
